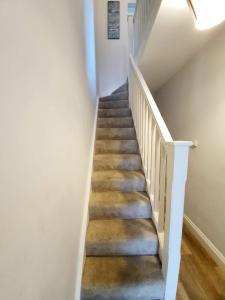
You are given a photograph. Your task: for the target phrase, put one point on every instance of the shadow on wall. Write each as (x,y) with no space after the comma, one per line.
(89,36)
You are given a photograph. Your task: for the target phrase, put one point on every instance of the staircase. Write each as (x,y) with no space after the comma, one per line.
(121,242)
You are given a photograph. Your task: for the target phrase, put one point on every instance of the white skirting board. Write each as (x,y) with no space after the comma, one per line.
(205,242)
(81,258)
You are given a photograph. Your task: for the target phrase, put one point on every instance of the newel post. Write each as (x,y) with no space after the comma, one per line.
(177,165)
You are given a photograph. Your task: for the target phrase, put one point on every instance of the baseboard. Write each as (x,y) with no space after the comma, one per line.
(81,256)
(216,255)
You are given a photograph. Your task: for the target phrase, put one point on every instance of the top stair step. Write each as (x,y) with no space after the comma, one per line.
(117,96)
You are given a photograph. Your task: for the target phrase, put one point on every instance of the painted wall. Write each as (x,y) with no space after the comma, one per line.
(192,104)
(172,43)
(47,107)
(112,55)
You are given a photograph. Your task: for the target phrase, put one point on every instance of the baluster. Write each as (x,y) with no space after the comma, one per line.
(134,99)
(142,137)
(145,137)
(162,189)
(137,102)
(134,102)
(152,178)
(157,171)
(137,111)
(143,126)
(149,145)
(139,117)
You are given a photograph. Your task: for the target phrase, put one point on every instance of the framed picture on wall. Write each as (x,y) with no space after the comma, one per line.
(113,20)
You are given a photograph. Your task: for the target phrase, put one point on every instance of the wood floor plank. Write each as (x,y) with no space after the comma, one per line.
(200,277)
(181,293)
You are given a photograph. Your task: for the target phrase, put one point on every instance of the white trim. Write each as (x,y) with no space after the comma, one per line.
(81,253)
(205,242)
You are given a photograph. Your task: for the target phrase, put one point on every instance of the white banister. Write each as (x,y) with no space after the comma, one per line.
(165,164)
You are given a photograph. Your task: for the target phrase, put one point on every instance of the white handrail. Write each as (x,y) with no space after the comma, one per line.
(150,101)
(165,164)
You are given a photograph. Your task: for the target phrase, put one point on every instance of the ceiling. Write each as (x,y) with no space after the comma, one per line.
(173,41)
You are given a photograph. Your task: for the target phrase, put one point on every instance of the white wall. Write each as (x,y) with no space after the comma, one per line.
(192,104)
(47,106)
(112,55)
(173,41)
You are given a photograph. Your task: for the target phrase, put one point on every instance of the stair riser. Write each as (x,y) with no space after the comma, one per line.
(117,112)
(131,164)
(134,211)
(127,185)
(136,247)
(114,104)
(115,123)
(115,134)
(117,96)
(116,147)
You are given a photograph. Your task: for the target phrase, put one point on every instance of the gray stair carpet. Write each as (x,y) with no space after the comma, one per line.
(121,242)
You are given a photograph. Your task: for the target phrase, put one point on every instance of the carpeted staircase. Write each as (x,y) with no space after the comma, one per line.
(121,241)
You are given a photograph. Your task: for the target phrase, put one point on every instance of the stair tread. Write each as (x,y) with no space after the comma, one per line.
(120,180)
(109,198)
(117,161)
(115,122)
(114,104)
(115,155)
(127,278)
(116,146)
(107,156)
(115,133)
(121,237)
(114,118)
(119,205)
(111,174)
(114,112)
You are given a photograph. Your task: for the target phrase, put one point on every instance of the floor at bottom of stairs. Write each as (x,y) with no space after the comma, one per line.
(200,277)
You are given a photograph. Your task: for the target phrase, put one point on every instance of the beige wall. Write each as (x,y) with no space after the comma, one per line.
(193,106)
(47,106)
(112,55)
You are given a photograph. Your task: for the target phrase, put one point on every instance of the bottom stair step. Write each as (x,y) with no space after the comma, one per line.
(122,278)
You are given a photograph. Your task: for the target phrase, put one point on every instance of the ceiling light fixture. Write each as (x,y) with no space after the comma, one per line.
(207,13)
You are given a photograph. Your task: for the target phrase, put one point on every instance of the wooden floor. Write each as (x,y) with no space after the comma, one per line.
(200,277)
